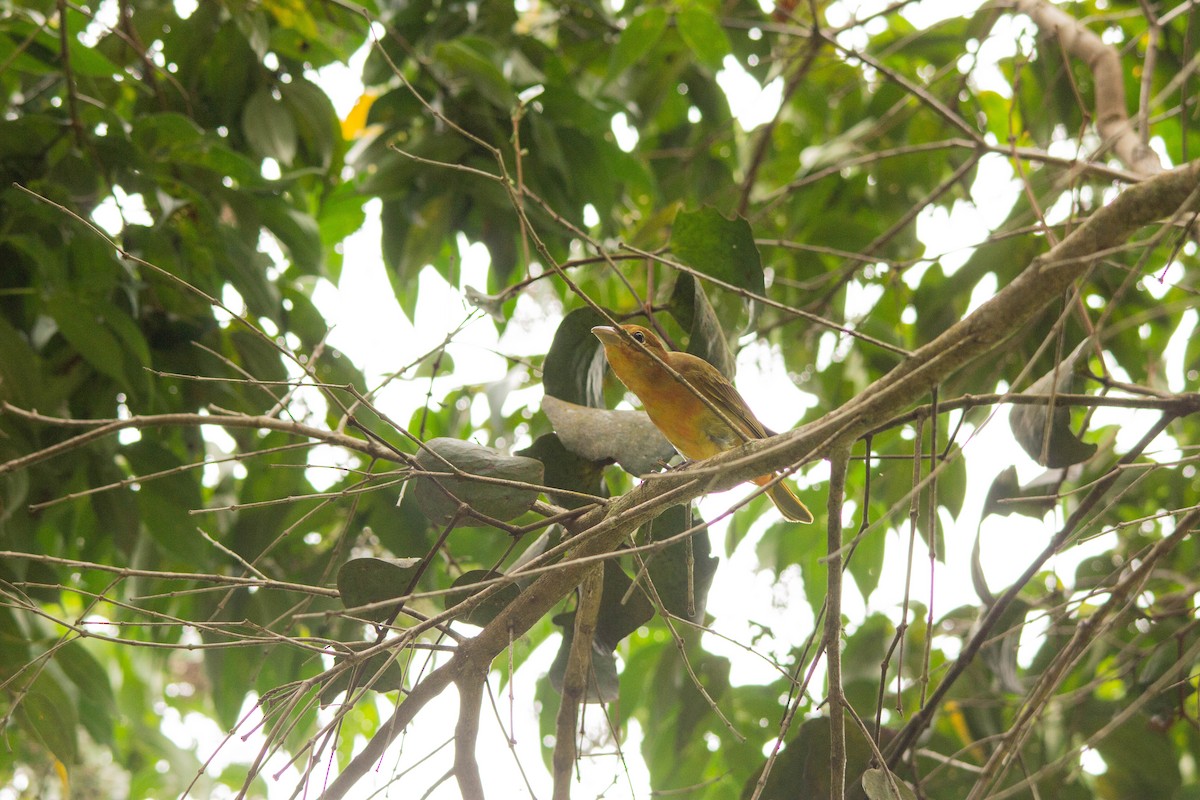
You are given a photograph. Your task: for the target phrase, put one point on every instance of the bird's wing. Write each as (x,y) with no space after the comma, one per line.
(715,387)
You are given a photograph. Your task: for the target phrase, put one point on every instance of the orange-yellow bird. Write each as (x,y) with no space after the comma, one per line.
(690,425)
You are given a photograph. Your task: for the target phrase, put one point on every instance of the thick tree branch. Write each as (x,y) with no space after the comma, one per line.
(466,766)
(1112,116)
(575,680)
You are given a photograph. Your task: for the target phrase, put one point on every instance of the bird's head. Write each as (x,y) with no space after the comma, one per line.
(622,339)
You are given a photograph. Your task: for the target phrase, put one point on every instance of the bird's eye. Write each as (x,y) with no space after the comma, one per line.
(639,336)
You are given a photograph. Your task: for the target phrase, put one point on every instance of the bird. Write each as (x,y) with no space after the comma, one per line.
(693,428)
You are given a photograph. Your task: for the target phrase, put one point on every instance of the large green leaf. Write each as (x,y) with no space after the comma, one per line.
(718,247)
(440,496)
(574,367)
(367,581)
(270,127)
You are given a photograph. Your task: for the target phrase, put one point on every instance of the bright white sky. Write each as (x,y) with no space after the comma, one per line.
(369,327)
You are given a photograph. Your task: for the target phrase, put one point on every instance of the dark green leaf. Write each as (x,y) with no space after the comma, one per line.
(270,128)
(574,366)
(82,326)
(695,314)
(565,469)
(97,703)
(382,672)
(499,501)
(718,247)
(621,611)
(487,610)
(465,59)
(700,29)
(1006,495)
(880,785)
(682,595)
(642,32)
(47,713)
(1029,422)
(603,685)
(365,581)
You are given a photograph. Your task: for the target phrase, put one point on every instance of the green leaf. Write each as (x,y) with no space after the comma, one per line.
(691,309)
(315,119)
(668,568)
(802,770)
(465,58)
(621,611)
(879,785)
(718,247)
(1006,495)
(161,134)
(499,501)
(866,564)
(703,34)
(86,61)
(565,469)
(81,325)
(382,672)
(603,686)
(642,32)
(1141,762)
(47,713)
(297,232)
(97,703)
(574,366)
(487,610)
(365,581)
(270,128)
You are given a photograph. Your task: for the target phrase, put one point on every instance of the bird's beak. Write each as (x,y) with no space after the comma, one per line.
(607,334)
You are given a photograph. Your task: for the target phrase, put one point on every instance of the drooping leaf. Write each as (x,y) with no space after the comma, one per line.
(682,594)
(621,611)
(364,581)
(466,59)
(706,339)
(47,713)
(566,469)
(97,701)
(879,785)
(803,768)
(701,30)
(641,33)
(1006,496)
(382,672)
(603,685)
(603,436)
(1029,422)
(496,500)
(574,367)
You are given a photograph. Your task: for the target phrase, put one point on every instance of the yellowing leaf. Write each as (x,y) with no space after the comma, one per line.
(356,120)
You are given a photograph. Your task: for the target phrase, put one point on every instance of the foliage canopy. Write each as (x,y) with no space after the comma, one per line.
(175,185)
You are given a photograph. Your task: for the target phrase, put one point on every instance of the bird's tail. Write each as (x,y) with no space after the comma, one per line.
(788,504)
